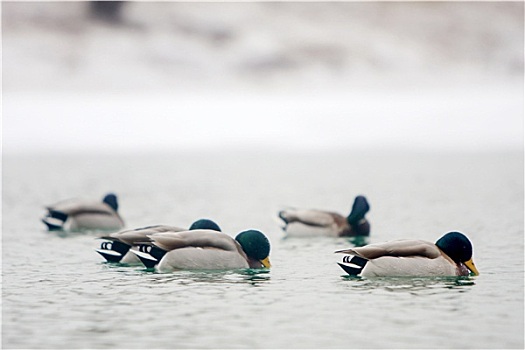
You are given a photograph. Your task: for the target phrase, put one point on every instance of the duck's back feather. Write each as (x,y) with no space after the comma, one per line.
(199,249)
(195,238)
(312,217)
(399,248)
(140,235)
(75,207)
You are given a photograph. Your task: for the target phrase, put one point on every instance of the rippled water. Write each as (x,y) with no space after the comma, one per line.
(57,292)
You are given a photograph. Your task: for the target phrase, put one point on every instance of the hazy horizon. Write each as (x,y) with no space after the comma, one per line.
(300,77)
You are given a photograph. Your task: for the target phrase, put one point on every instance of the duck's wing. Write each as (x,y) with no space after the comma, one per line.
(64,205)
(140,235)
(311,217)
(195,238)
(75,207)
(397,248)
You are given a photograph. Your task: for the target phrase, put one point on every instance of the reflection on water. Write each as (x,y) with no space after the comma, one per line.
(188,277)
(359,241)
(414,285)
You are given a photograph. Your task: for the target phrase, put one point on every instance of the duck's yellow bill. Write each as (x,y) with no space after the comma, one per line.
(266,262)
(472,267)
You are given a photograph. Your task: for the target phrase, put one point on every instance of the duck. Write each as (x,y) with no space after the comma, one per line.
(314,222)
(116,246)
(451,255)
(81,214)
(205,250)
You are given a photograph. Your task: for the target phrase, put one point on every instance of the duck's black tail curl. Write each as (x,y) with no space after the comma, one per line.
(54,220)
(149,255)
(113,251)
(353,264)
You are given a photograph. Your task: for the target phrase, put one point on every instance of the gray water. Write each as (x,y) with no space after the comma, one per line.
(58,293)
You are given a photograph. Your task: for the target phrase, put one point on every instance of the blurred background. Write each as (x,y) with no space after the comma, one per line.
(118,77)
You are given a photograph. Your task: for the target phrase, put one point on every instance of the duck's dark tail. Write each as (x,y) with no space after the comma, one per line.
(54,220)
(113,251)
(149,255)
(353,264)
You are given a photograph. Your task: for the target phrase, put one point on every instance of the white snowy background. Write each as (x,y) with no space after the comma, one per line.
(169,76)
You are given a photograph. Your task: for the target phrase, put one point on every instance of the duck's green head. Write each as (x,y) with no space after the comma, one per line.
(111,200)
(359,209)
(255,245)
(205,224)
(458,247)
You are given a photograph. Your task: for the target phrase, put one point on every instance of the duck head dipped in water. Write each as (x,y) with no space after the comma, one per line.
(116,246)
(207,250)
(451,255)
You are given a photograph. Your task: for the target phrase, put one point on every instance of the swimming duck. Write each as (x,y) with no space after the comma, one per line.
(205,250)
(313,222)
(120,243)
(451,255)
(78,214)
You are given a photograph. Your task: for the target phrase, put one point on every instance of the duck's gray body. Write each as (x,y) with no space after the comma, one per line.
(426,260)
(205,249)
(196,258)
(199,249)
(315,222)
(76,215)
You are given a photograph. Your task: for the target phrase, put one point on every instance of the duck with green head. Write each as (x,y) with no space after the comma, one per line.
(209,250)
(315,222)
(82,215)
(451,255)
(116,246)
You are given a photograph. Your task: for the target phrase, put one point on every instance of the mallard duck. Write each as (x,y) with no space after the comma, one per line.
(451,255)
(120,243)
(205,250)
(78,214)
(313,222)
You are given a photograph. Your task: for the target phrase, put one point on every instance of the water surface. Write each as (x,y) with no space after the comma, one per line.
(58,293)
